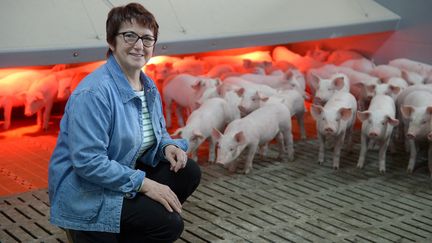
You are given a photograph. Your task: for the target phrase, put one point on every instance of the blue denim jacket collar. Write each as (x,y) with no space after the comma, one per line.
(125,90)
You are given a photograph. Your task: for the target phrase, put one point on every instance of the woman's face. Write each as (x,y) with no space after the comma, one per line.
(132,56)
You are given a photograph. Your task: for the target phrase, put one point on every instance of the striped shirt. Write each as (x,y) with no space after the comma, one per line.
(147,131)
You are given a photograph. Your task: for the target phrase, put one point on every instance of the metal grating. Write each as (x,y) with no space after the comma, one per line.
(24,218)
(299,201)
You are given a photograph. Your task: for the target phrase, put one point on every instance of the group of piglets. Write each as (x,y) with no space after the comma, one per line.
(250,103)
(243,102)
(38,89)
(382,97)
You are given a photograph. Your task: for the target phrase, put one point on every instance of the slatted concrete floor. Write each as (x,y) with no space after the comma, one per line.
(298,201)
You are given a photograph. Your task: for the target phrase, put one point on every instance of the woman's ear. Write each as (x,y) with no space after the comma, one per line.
(111,47)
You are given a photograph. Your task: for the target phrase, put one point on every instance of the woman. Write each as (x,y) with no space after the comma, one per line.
(115,174)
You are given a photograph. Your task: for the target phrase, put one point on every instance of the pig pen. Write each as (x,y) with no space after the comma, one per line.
(299,201)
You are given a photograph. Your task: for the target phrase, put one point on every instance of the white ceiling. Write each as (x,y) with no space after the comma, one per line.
(69,31)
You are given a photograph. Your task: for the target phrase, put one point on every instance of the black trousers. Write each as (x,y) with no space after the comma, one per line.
(145,220)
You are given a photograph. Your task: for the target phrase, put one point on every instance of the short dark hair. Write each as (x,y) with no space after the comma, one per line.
(129,12)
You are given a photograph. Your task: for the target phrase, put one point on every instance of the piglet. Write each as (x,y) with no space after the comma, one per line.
(198,126)
(40,98)
(185,90)
(362,65)
(386,71)
(13,89)
(250,90)
(339,56)
(292,99)
(416,109)
(411,65)
(326,87)
(377,127)
(335,120)
(255,130)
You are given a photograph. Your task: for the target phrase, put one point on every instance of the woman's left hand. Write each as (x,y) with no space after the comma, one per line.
(176,157)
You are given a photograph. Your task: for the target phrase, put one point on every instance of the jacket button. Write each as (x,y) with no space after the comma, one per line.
(128,195)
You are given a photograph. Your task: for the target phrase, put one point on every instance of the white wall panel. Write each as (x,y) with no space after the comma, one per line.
(67,31)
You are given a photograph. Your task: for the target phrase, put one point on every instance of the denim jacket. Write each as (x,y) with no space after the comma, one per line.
(92,167)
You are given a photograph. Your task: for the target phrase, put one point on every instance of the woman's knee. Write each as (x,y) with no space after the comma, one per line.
(193,170)
(174,226)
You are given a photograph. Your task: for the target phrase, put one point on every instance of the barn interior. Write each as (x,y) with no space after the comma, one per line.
(299,201)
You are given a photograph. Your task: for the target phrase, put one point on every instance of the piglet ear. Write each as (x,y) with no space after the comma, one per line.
(360,85)
(197,135)
(363,115)
(242,109)
(316,111)
(261,96)
(392,121)
(345,113)
(383,80)
(315,79)
(288,74)
(339,82)
(407,111)
(221,90)
(197,85)
(394,89)
(240,92)
(240,137)
(198,104)
(405,76)
(216,134)
(264,98)
(177,132)
(371,88)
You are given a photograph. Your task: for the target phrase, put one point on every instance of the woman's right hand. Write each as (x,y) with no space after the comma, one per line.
(161,193)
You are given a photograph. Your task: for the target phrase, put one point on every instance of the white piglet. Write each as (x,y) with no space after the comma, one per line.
(199,127)
(292,99)
(416,109)
(326,87)
(185,90)
(335,121)
(362,65)
(377,127)
(255,130)
(40,98)
(13,90)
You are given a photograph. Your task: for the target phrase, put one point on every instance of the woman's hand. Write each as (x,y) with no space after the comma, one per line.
(161,193)
(176,157)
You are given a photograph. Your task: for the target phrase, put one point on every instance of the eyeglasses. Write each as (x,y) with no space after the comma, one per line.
(132,38)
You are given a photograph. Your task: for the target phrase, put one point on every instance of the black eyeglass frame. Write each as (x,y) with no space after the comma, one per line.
(143,38)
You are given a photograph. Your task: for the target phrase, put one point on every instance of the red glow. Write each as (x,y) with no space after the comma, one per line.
(25,149)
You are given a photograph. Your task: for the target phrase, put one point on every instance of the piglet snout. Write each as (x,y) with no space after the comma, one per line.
(373,134)
(410,136)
